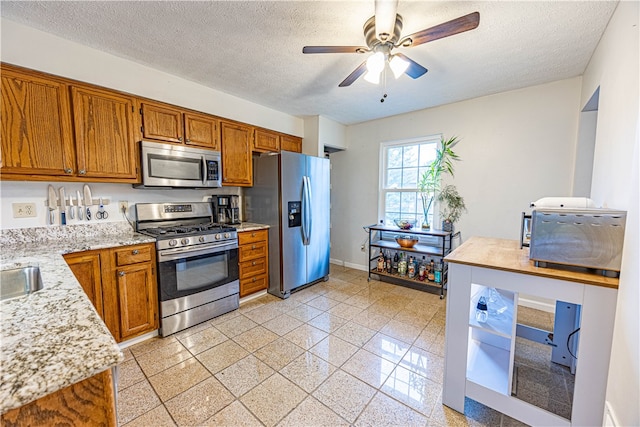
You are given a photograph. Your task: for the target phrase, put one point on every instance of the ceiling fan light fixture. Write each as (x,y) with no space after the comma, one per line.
(375,63)
(372,77)
(398,65)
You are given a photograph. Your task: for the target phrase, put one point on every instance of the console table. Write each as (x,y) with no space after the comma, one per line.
(479,357)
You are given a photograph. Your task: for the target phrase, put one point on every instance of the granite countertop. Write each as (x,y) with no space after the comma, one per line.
(54,337)
(250,226)
(502,254)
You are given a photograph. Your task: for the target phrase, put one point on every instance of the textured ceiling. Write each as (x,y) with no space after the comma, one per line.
(253,49)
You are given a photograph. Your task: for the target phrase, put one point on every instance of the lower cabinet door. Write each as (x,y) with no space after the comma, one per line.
(137,300)
(86,268)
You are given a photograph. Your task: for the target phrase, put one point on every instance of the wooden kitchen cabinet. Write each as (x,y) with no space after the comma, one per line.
(104,131)
(87,269)
(37,137)
(235,144)
(253,258)
(266,141)
(290,143)
(90,402)
(121,284)
(166,123)
(130,291)
(56,130)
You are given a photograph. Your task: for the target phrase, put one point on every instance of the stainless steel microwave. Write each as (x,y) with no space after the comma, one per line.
(176,166)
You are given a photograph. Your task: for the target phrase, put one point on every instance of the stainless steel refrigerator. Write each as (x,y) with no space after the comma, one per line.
(290,193)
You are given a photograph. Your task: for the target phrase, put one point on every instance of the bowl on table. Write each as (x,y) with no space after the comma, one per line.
(406,242)
(405,224)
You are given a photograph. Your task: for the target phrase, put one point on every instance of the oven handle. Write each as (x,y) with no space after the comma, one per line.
(172,254)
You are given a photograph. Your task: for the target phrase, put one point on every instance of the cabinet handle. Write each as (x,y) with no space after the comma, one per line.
(180,138)
(253,234)
(68,170)
(188,140)
(254,279)
(135,252)
(253,246)
(253,263)
(82,171)
(121,273)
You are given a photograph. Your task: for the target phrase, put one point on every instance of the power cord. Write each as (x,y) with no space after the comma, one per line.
(123,211)
(569,339)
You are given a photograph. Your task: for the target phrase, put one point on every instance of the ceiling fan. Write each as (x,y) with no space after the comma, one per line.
(382,34)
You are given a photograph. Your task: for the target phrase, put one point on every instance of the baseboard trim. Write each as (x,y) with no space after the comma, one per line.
(137,340)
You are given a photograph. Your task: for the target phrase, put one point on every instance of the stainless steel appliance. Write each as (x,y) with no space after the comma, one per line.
(197,262)
(290,193)
(589,238)
(165,165)
(226,209)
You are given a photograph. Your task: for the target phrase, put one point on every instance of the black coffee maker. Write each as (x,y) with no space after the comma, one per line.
(226,209)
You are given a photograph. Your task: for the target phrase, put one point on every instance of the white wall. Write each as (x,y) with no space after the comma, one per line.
(31,48)
(35,49)
(614,69)
(516,147)
(332,133)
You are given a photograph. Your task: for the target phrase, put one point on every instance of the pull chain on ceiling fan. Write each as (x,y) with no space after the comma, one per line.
(382,34)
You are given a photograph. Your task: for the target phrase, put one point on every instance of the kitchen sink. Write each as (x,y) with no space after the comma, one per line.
(18,282)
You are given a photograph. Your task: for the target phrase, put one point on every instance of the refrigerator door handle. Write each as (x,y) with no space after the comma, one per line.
(306,210)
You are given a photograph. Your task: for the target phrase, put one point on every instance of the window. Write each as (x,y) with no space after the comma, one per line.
(401,165)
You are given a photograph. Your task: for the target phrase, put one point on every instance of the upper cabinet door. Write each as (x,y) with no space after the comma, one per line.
(201,130)
(266,140)
(104,128)
(235,142)
(291,143)
(162,123)
(36,136)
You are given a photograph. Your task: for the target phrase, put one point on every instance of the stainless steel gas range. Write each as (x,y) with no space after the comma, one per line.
(197,262)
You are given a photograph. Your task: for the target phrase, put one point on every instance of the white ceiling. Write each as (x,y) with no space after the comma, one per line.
(253,49)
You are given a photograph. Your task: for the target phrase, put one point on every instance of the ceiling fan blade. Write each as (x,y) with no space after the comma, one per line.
(362,68)
(334,49)
(455,26)
(414,70)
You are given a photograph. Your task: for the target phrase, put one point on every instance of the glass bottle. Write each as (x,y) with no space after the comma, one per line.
(422,270)
(387,259)
(411,268)
(380,262)
(481,310)
(438,273)
(432,274)
(402,265)
(396,259)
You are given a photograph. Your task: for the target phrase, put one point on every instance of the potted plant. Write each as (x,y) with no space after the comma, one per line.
(429,182)
(452,206)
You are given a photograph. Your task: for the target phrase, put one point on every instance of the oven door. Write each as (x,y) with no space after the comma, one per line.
(183,272)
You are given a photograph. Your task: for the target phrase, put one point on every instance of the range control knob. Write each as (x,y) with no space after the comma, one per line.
(218,236)
(173,242)
(227,235)
(184,241)
(201,239)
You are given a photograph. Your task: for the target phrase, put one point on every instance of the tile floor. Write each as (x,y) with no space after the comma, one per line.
(342,352)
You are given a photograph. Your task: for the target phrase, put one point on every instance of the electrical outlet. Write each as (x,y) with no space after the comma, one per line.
(24,210)
(123,205)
